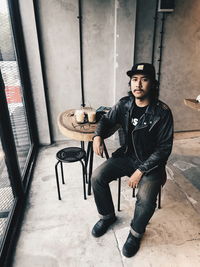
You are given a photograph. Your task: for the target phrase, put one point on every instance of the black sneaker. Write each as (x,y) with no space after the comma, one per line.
(102,226)
(131,246)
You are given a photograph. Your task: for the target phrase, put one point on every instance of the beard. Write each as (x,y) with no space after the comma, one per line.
(145,95)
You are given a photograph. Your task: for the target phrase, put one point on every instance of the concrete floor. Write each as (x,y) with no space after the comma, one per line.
(58,233)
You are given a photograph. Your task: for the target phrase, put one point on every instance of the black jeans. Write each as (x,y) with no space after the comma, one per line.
(148,189)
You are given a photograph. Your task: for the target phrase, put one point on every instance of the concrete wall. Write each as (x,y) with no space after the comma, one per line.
(125,42)
(60,42)
(98,51)
(32,50)
(181,65)
(108,45)
(144,30)
(108,48)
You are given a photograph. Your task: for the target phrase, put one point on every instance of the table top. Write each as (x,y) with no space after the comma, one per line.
(192,103)
(70,128)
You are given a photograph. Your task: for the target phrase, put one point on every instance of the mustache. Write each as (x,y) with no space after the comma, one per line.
(141,90)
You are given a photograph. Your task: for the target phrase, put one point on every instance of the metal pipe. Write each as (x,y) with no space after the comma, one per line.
(161,47)
(81,50)
(154,32)
(135,40)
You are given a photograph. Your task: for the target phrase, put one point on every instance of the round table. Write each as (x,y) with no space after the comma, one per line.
(77,131)
(83,132)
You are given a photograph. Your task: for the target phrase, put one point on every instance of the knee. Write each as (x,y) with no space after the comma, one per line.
(96,178)
(145,200)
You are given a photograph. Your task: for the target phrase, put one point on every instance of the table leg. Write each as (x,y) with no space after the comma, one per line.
(88,152)
(119,179)
(91,152)
(119,193)
(82,145)
(89,160)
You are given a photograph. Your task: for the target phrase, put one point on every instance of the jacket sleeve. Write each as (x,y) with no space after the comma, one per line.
(163,146)
(108,122)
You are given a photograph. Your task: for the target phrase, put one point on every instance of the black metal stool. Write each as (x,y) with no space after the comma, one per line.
(68,155)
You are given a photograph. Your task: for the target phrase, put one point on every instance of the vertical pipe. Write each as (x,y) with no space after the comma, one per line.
(81,50)
(154,32)
(135,40)
(161,46)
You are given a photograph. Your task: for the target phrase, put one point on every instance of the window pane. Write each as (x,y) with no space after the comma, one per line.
(13,87)
(6,195)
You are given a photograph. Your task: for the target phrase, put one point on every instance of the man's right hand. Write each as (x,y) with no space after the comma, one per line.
(98,146)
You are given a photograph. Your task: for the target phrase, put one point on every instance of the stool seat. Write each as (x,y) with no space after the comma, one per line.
(70,154)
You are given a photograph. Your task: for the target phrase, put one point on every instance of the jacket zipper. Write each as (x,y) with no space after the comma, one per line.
(134,146)
(126,150)
(138,157)
(128,122)
(153,124)
(134,143)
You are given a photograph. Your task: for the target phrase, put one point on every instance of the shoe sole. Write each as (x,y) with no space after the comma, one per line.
(129,255)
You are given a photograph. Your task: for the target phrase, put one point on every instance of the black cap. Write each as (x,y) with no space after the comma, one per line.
(143,68)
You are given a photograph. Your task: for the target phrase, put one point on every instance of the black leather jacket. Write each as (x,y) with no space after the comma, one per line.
(152,137)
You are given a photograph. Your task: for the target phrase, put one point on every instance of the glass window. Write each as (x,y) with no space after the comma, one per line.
(13,87)
(6,194)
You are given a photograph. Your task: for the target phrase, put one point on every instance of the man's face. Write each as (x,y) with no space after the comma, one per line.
(140,86)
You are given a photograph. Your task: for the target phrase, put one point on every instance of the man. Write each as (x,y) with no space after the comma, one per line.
(148,129)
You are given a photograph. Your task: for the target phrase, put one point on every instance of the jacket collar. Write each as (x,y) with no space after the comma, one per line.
(150,109)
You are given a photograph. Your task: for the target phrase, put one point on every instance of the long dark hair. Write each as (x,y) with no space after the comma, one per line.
(154,91)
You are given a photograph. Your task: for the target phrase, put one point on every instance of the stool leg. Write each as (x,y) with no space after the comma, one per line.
(119,193)
(83,170)
(61,167)
(105,150)
(133,192)
(90,169)
(57,180)
(159,198)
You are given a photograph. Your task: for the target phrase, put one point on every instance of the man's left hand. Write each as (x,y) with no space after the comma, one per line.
(135,178)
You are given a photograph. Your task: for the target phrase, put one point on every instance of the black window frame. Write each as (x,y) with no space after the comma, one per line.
(19,182)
